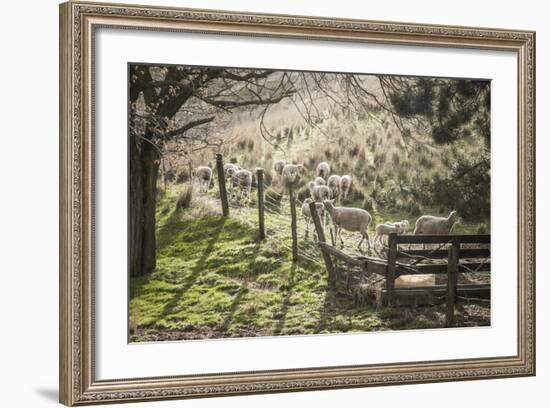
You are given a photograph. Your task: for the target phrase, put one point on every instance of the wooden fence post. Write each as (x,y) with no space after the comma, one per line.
(452,270)
(321,236)
(260,178)
(221,181)
(293,225)
(390,278)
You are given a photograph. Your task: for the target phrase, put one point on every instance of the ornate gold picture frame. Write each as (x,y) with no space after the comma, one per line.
(78,24)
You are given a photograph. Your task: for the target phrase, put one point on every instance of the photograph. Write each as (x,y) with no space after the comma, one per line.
(267,202)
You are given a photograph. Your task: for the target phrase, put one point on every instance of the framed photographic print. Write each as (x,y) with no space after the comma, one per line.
(260,203)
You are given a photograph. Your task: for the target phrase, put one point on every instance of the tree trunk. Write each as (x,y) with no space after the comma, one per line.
(143,172)
(135,210)
(150,162)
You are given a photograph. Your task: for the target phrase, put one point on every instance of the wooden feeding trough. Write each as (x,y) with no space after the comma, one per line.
(410,274)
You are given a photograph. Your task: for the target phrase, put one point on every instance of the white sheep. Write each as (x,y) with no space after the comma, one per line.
(291,172)
(204,175)
(404,225)
(318,192)
(230,169)
(334,185)
(323,170)
(345,185)
(306,213)
(278,166)
(389,228)
(350,219)
(432,225)
(319,181)
(242,183)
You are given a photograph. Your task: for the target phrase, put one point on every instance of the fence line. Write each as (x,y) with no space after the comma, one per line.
(271,202)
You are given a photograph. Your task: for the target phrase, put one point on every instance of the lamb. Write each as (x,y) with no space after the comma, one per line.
(389,228)
(402,224)
(334,185)
(319,181)
(204,175)
(350,219)
(345,185)
(291,172)
(230,169)
(323,170)
(432,225)
(318,192)
(242,183)
(306,213)
(278,166)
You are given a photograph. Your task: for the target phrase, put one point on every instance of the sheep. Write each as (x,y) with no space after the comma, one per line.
(306,213)
(318,192)
(432,225)
(230,169)
(402,224)
(389,228)
(319,181)
(278,167)
(204,175)
(242,183)
(334,185)
(323,170)
(345,185)
(291,172)
(350,219)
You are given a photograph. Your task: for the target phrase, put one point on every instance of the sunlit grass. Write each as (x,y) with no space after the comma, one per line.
(214,279)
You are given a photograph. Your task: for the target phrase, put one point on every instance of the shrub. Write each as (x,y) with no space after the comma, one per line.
(482,229)
(185,197)
(413,208)
(466,189)
(396,159)
(302,193)
(368,204)
(354,151)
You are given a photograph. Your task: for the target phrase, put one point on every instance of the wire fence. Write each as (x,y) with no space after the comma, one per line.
(276,205)
(256,202)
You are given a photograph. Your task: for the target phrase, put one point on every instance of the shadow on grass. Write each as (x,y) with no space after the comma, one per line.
(224,326)
(188,282)
(165,231)
(328,308)
(286,301)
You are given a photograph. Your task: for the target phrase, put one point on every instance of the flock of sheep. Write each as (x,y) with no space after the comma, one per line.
(325,190)
(240,179)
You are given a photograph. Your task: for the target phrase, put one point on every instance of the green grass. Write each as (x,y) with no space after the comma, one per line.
(214,279)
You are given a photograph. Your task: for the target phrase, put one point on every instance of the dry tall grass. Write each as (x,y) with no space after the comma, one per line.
(366,144)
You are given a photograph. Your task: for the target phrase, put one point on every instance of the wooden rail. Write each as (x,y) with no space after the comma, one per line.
(340,254)
(453,266)
(443,254)
(458,260)
(442,239)
(421,269)
(452,269)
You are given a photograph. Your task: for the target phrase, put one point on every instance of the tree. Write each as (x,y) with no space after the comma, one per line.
(180,102)
(449,111)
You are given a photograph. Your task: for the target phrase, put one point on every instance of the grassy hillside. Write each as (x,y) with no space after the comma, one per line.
(391,175)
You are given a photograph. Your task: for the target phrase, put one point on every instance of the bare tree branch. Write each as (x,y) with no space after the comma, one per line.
(189,125)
